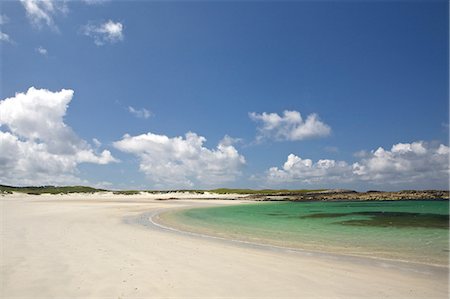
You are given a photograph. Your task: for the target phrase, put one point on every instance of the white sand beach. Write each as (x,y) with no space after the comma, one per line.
(93,246)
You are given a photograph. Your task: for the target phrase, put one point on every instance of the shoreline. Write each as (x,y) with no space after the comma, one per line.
(154,219)
(93,247)
(176,226)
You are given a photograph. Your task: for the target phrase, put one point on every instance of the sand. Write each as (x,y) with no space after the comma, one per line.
(92,246)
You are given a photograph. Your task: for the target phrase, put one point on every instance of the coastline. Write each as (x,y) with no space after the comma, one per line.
(245,194)
(170,220)
(155,219)
(350,195)
(94,248)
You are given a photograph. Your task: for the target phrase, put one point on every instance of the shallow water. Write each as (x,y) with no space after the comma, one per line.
(415,231)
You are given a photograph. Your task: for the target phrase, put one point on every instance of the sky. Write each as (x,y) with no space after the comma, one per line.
(239,94)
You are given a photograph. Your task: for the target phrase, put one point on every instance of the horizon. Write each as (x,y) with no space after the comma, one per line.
(201,95)
(224,189)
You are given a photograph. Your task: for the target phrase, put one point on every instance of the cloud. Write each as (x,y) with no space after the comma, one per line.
(108,32)
(183,162)
(96,142)
(36,146)
(95,2)
(360,154)
(290,126)
(41,50)
(5,37)
(228,140)
(140,113)
(417,164)
(305,171)
(42,12)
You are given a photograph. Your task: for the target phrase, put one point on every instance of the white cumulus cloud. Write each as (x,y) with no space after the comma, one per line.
(36,146)
(42,12)
(183,162)
(417,164)
(139,113)
(108,32)
(289,126)
(305,171)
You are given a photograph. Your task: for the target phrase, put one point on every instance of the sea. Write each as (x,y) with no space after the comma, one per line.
(409,230)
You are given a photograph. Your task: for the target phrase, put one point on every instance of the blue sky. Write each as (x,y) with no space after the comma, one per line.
(369,74)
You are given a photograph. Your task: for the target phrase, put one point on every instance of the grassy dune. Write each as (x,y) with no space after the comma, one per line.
(263,191)
(37,190)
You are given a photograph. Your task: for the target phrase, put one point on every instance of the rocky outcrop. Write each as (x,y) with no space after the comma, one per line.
(335,195)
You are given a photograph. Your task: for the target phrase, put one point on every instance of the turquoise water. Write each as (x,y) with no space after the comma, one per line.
(415,231)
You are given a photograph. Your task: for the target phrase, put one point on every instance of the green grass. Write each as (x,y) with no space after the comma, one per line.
(240,191)
(263,191)
(174,191)
(127,192)
(37,190)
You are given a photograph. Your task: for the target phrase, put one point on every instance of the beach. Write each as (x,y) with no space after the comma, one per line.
(105,245)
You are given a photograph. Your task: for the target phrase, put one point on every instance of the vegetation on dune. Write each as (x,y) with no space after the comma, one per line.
(37,190)
(264,194)
(175,191)
(239,191)
(263,191)
(127,192)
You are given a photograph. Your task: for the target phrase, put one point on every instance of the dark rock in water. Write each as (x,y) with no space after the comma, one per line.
(399,219)
(342,194)
(389,219)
